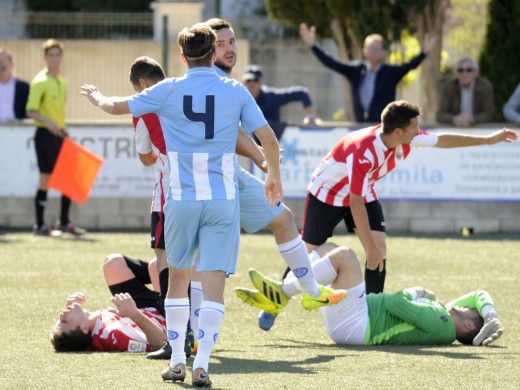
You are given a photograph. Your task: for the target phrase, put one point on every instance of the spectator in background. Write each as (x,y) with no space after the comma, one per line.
(511,109)
(13,92)
(46,105)
(372,82)
(467,99)
(270,100)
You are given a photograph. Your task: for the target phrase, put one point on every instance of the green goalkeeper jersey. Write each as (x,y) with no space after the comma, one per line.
(397,319)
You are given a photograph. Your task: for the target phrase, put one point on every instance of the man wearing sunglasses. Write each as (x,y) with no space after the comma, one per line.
(467,99)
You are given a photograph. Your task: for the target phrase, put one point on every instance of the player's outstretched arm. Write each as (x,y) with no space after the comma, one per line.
(448,140)
(111,105)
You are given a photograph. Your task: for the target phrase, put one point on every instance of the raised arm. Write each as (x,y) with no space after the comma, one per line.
(308,36)
(112,105)
(449,140)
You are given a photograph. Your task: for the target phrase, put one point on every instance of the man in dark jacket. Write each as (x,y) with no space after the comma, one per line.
(372,82)
(13,92)
(270,100)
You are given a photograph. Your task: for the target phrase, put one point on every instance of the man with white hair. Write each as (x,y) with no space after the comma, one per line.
(467,99)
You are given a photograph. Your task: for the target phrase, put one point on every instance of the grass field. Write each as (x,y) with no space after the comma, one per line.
(37,274)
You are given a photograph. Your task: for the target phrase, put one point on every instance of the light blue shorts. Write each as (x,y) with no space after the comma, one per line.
(255,211)
(210,225)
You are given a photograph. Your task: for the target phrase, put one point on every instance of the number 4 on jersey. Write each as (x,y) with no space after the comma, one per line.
(208,117)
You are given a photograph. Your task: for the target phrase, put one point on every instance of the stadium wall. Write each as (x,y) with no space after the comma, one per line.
(122,194)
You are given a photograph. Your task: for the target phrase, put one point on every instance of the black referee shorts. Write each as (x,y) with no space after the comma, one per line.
(320,219)
(48,148)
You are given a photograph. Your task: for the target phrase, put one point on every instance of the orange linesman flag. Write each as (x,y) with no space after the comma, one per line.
(75,171)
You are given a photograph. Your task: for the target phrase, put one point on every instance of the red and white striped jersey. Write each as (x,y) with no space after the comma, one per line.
(115,333)
(356,162)
(148,137)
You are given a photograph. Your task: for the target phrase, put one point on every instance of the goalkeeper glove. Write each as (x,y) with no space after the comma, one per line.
(491,330)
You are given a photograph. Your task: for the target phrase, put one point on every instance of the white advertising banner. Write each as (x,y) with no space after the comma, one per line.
(122,174)
(478,173)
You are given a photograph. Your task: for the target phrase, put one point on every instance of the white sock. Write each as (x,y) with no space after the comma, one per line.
(196,301)
(295,255)
(210,318)
(177,314)
(323,270)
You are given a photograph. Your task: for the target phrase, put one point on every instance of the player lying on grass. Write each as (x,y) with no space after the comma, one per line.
(136,325)
(410,316)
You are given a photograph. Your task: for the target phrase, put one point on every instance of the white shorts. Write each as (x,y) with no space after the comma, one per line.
(346,322)
(255,211)
(209,225)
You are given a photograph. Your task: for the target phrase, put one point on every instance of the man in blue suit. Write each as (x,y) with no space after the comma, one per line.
(13,92)
(372,82)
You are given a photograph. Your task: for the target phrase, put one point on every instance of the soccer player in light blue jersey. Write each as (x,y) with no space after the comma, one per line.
(200,115)
(255,213)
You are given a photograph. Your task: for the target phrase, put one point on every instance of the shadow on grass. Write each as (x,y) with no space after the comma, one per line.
(240,365)
(63,237)
(468,352)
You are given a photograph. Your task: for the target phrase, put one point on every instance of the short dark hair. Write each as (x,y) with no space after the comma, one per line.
(52,43)
(75,340)
(146,68)
(218,24)
(467,337)
(198,44)
(398,114)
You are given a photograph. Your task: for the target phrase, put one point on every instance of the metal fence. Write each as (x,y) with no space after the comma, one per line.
(118,26)
(77,25)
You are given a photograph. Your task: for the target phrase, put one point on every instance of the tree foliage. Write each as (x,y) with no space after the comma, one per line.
(350,21)
(359,18)
(500,55)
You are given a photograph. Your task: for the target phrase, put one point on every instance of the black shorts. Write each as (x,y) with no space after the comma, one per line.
(48,148)
(142,295)
(320,219)
(157,230)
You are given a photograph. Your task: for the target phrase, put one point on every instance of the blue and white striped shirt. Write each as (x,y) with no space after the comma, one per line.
(200,114)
